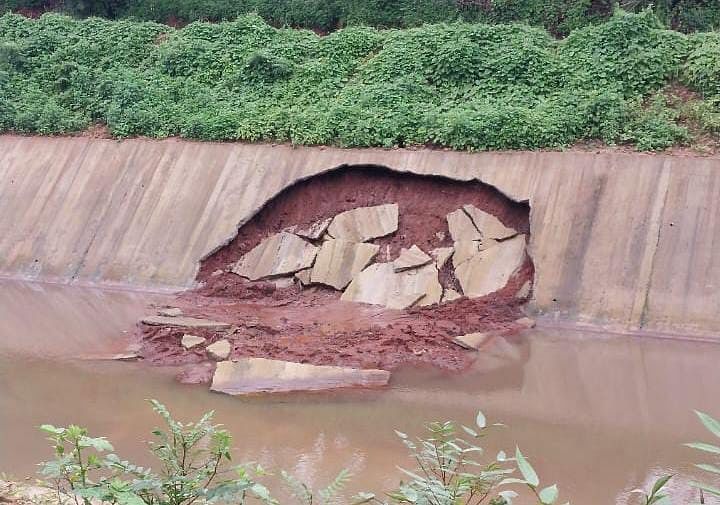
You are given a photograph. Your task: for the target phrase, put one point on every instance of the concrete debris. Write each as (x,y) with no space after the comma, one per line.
(303,276)
(219,351)
(338,261)
(379,284)
(261,375)
(524,291)
(189,341)
(442,255)
(462,227)
(472,341)
(315,230)
(217,273)
(280,254)
(488,225)
(184,322)
(527,322)
(403,301)
(411,258)
(489,270)
(284,282)
(170,312)
(365,223)
(464,250)
(449,295)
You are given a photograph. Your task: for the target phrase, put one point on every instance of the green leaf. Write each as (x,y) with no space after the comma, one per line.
(708,468)
(660,483)
(710,423)
(480,420)
(706,487)
(526,469)
(549,495)
(701,446)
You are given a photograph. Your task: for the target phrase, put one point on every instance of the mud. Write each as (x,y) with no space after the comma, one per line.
(311,325)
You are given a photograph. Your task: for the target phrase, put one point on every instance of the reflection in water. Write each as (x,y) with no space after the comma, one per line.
(599,415)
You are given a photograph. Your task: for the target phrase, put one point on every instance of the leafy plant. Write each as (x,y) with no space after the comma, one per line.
(713,426)
(192,457)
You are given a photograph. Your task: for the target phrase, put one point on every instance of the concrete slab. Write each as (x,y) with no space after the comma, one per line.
(219,351)
(260,375)
(379,284)
(489,270)
(280,254)
(411,258)
(442,255)
(461,226)
(365,223)
(338,261)
(189,341)
(488,225)
(184,322)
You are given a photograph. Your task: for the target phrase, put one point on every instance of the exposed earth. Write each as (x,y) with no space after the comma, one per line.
(285,316)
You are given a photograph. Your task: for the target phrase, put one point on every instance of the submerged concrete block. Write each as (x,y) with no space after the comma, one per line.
(261,375)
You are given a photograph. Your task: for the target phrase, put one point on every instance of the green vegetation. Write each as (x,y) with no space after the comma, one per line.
(558,16)
(466,86)
(195,461)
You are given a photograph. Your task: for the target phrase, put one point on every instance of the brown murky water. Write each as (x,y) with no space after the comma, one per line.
(600,415)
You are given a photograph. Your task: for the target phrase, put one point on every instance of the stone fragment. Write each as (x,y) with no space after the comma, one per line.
(217,273)
(170,312)
(489,226)
(219,350)
(411,258)
(379,284)
(189,341)
(489,270)
(449,295)
(365,223)
(462,227)
(338,261)
(184,322)
(442,255)
(464,250)
(261,375)
(403,301)
(315,230)
(280,254)
(126,356)
(524,291)
(472,341)
(284,282)
(526,322)
(303,276)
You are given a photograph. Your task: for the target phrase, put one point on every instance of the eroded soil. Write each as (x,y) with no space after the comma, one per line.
(311,324)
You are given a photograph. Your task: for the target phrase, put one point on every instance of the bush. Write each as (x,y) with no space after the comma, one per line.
(465,86)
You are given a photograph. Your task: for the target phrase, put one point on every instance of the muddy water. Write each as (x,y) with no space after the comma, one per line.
(599,414)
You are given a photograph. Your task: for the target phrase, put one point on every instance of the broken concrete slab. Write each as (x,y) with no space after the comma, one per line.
(379,284)
(442,255)
(411,258)
(338,261)
(219,350)
(303,276)
(449,295)
(184,322)
(489,226)
(464,250)
(462,227)
(315,230)
(404,301)
(489,270)
(365,223)
(472,341)
(280,254)
(170,312)
(261,375)
(189,341)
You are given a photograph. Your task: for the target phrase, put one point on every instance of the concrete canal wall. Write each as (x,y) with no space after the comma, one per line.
(629,240)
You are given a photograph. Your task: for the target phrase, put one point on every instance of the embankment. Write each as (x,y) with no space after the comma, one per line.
(621,239)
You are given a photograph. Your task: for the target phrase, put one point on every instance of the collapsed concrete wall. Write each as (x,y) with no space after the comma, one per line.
(616,238)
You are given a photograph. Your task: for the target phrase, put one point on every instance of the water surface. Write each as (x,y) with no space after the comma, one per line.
(599,415)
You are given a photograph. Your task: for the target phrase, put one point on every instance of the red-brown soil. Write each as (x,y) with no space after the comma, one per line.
(312,325)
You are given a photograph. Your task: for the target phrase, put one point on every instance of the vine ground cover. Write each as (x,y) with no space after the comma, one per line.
(460,85)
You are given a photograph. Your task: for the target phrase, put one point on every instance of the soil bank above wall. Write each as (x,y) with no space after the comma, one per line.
(624,239)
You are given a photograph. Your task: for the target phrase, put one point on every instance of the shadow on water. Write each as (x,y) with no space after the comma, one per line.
(599,415)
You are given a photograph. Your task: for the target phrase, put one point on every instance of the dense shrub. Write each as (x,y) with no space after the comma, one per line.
(466,86)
